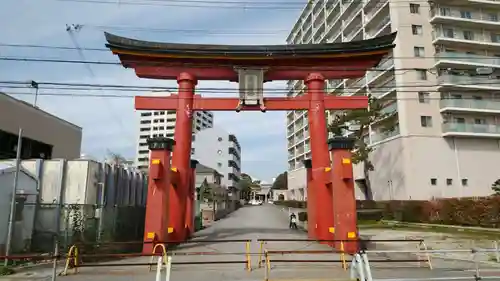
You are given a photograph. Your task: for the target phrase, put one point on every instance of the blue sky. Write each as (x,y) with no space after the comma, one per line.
(111,124)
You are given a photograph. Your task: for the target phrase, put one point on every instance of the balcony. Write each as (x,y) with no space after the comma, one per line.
(469,19)
(390,109)
(372,14)
(469,105)
(453,58)
(355,31)
(377,30)
(382,68)
(471,130)
(466,38)
(384,89)
(471,82)
(378,137)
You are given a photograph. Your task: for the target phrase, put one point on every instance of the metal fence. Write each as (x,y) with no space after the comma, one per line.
(86,224)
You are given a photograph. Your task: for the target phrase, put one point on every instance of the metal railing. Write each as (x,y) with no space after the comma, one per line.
(360,265)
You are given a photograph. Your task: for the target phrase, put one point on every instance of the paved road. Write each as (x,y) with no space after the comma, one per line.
(254,222)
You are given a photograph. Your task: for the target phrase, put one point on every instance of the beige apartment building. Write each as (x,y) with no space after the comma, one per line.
(441,85)
(44,135)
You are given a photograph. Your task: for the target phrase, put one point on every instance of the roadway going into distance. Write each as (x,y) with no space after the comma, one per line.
(261,222)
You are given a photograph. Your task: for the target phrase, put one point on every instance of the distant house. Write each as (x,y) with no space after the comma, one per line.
(212,198)
(210,175)
(26,196)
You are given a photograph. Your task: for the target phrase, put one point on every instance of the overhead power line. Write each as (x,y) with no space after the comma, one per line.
(150,63)
(132,88)
(227,4)
(116,96)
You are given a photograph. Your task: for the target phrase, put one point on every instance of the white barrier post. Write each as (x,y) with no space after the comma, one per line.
(497,251)
(366,267)
(168,268)
(158,268)
(357,268)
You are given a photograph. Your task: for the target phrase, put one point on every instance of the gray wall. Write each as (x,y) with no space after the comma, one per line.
(66,138)
(206,150)
(23,229)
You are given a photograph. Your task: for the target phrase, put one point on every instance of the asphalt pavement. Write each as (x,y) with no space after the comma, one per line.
(261,222)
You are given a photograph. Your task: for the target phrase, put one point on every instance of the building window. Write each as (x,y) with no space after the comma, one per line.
(219,152)
(416,29)
(423,97)
(219,164)
(465,14)
(465,182)
(192,151)
(414,8)
(434,181)
(449,33)
(468,35)
(479,121)
(422,74)
(449,181)
(445,11)
(419,51)
(219,139)
(426,121)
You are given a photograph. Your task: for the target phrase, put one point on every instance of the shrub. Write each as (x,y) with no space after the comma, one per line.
(302,216)
(482,212)
(5,270)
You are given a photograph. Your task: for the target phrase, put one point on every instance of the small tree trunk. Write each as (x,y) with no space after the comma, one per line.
(368,187)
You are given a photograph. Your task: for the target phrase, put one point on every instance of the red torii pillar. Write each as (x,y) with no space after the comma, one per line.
(344,200)
(161,193)
(311,215)
(182,155)
(190,200)
(320,160)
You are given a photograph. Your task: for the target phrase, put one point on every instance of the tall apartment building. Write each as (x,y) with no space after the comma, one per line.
(445,140)
(161,123)
(217,149)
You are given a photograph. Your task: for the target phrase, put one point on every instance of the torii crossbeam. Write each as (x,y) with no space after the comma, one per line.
(331,203)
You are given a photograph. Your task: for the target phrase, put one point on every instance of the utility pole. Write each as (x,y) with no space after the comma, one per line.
(35,86)
(12,216)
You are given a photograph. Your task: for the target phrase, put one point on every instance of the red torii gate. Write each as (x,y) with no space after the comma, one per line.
(331,202)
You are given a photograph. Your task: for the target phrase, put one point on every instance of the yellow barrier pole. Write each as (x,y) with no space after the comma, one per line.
(426,254)
(249,260)
(72,255)
(164,254)
(261,249)
(268,265)
(342,256)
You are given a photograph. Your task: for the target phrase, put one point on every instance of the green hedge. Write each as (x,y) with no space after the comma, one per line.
(302,216)
(292,204)
(482,212)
